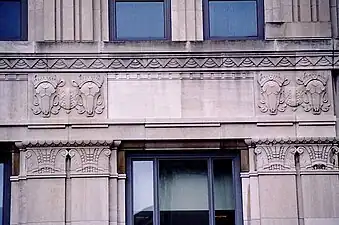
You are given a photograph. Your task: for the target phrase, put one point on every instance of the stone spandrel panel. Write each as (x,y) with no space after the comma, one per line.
(13,98)
(304,94)
(181,95)
(67,95)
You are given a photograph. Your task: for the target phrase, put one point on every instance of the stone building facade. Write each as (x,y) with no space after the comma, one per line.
(76,105)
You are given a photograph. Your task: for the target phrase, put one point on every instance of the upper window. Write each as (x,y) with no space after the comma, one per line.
(233,19)
(13,21)
(180,190)
(140,19)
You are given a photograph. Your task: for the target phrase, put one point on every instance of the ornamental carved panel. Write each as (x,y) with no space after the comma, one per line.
(318,157)
(46,95)
(46,161)
(275,158)
(309,92)
(272,98)
(90,160)
(280,154)
(81,94)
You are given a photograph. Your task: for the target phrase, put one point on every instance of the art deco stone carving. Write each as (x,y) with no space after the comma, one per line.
(272,97)
(90,160)
(276,157)
(318,157)
(312,94)
(279,154)
(47,160)
(45,97)
(90,99)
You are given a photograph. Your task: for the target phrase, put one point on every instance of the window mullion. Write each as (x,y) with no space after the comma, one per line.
(156,211)
(210,192)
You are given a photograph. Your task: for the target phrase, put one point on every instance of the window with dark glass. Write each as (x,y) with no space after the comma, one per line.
(169,190)
(233,19)
(140,19)
(5,171)
(13,22)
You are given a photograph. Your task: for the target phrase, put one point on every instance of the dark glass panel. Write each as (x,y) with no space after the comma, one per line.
(224,200)
(140,20)
(233,18)
(183,192)
(143,197)
(1,191)
(10,17)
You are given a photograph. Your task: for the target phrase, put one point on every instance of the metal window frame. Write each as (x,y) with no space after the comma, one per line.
(260,23)
(209,157)
(23,21)
(5,158)
(113,27)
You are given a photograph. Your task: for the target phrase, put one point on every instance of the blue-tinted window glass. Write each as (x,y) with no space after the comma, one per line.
(233,18)
(140,20)
(10,18)
(1,191)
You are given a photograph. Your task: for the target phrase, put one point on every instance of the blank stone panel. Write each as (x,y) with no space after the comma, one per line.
(13,100)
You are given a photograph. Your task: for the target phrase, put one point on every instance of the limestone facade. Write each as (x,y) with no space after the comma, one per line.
(71,99)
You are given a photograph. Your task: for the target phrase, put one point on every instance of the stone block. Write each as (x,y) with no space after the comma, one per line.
(13,100)
(280,190)
(320,198)
(88,204)
(217,98)
(45,201)
(144,99)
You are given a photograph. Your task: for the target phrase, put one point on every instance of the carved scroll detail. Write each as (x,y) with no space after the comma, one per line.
(272,97)
(278,157)
(318,157)
(90,99)
(42,161)
(312,94)
(45,96)
(92,160)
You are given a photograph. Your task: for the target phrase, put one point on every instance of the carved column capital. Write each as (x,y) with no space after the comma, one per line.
(92,160)
(279,154)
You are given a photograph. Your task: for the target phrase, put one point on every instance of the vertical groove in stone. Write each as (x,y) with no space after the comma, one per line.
(298,10)
(58,20)
(76,9)
(315,10)
(80,20)
(68,192)
(86,17)
(104,20)
(300,208)
(67,20)
(49,19)
(96,19)
(113,189)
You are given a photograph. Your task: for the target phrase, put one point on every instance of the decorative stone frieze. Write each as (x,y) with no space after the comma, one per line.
(45,95)
(171,62)
(272,97)
(90,160)
(279,154)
